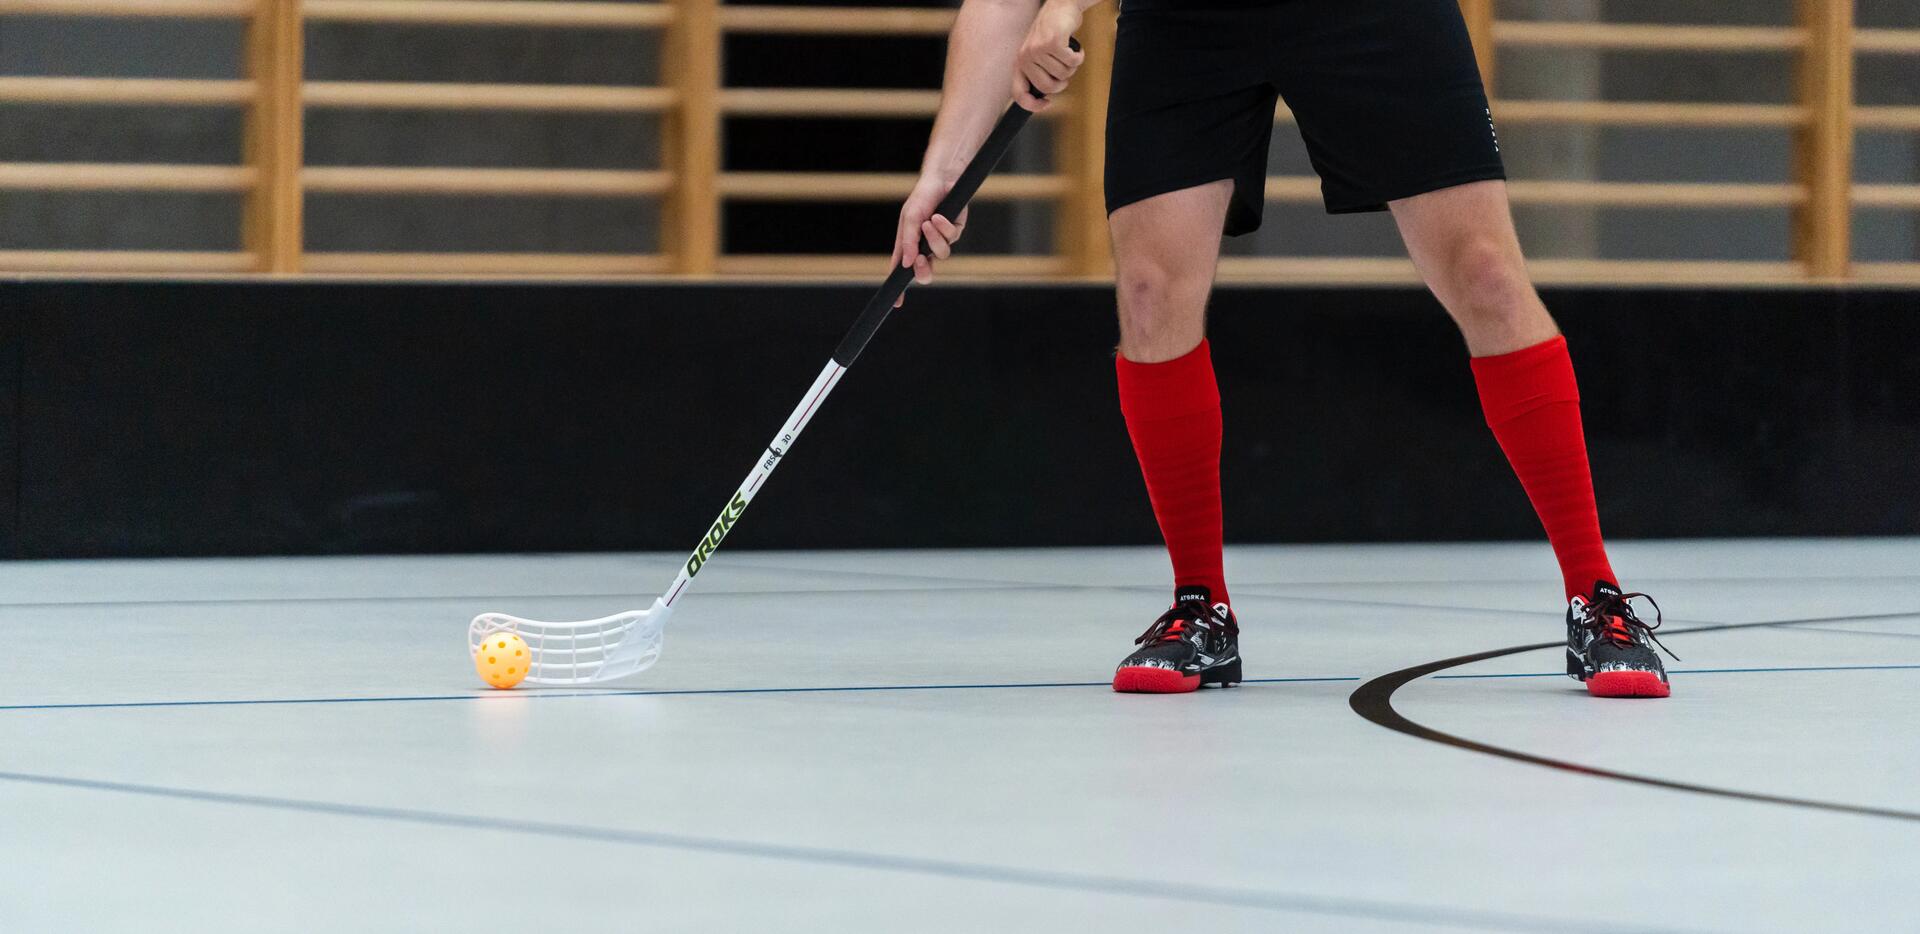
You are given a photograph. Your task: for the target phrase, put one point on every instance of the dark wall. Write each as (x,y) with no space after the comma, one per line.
(211,418)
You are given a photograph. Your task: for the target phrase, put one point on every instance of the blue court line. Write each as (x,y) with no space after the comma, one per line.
(1187,891)
(1687,671)
(538,694)
(843,689)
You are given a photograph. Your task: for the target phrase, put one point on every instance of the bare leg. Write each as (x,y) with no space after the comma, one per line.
(1165,249)
(1463,242)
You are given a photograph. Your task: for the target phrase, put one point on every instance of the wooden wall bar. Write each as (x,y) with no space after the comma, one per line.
(272,227)
(1821,46)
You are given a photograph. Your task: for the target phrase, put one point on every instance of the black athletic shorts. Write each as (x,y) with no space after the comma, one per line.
(1386,94)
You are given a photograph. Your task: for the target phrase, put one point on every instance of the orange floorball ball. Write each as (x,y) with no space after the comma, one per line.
(502,660)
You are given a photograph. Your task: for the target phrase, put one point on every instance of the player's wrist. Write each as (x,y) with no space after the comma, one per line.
(941,173)
(1068,10)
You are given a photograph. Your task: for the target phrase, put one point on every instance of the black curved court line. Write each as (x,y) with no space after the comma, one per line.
(1179,891)
(1374,702)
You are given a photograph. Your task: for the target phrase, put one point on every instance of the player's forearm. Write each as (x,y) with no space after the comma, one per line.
(980,53)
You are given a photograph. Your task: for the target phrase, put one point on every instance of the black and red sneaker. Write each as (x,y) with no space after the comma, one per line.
(1195,642)
(1611,649)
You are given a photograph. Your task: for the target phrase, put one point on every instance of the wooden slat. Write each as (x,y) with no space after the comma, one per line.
(450,96)
(1655,194)
(463,181)
(690,231)
(1897,273)
(154,9)
(1648,113)
(841,21)
(876,186)
(562,14)
(1080,227)
(1479,16)
(1823,150)
(829,102)
(1887,41)
(842,102)
(1646,36)
(1886,118)
(1293,188)
(121,261)
(119,176)
(1306,189)
(189,92)
(1395,271)
(875,267)
(1663,272)
(1633,113)
(1337,270)
(1887,196)
(466,265)
(272,224)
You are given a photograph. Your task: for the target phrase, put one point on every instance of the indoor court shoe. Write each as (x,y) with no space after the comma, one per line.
(1194,642)
(1611,649)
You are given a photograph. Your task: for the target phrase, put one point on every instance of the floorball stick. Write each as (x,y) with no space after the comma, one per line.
(615,646)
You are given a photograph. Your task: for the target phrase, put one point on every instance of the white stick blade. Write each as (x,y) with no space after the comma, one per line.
(584,652)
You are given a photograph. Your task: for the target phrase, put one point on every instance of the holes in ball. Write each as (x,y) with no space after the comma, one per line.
(492,661)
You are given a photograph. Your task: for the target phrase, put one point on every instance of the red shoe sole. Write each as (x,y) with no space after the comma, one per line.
(1154,681)
(1627,684)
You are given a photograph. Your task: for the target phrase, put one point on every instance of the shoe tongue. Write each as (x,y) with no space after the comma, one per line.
(1616,626)
(1184,594)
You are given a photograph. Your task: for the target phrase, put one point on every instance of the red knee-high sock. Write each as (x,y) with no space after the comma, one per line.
(1533,406)
(1173,415)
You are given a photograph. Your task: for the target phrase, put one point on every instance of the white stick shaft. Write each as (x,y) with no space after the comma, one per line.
(769,459)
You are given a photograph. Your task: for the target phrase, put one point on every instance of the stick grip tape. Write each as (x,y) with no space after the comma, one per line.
(963,190)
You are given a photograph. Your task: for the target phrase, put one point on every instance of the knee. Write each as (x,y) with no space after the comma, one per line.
(1485,276)
(1158,304)
(1144,288)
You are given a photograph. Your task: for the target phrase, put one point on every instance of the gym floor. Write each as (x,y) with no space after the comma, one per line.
(925,741)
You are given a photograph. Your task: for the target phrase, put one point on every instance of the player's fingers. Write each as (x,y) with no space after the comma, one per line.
(1045,83)
(936,241)
(948,229)
(1048,65)
(1051,70)
(922,270)
(1062,64)
(1023,95)
(907,245)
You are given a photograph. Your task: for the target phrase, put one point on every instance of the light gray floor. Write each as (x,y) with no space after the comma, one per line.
(922,741)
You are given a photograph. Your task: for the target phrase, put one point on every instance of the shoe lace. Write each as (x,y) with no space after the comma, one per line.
(1610,616)
(1172,625)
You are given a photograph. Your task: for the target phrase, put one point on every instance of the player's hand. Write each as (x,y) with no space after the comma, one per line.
(1046,60)
(918,221)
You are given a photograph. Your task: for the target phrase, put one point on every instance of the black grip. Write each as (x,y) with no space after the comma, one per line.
(976,172)
(986,159)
